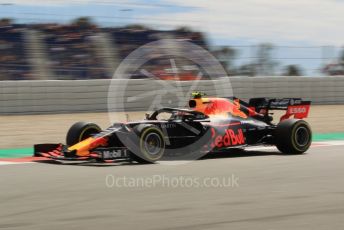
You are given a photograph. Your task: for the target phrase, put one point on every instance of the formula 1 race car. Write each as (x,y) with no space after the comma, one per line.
(208,125)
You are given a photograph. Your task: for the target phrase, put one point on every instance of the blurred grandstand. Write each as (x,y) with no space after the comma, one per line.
(82,50)
(14,63)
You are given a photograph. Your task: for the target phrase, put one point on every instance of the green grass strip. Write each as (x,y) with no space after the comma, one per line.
(16,153)
(328,136)
(27,152)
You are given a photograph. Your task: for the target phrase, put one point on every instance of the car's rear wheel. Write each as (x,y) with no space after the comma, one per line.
(151,144)
(293,136)
(81,131)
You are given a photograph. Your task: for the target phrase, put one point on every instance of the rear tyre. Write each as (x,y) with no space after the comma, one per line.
(81,131)
(151,144)
(293,136)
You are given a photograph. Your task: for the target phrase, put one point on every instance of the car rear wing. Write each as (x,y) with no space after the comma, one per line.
(295,107)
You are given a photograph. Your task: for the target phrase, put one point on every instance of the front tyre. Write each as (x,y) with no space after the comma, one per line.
(293,136)
(81,131)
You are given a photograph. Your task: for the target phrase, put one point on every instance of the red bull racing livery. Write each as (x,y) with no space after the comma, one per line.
(209,124)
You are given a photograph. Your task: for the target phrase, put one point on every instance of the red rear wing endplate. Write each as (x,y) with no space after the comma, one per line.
(299,111)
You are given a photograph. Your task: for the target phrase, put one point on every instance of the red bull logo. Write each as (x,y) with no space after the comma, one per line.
(217,107)
(230,138)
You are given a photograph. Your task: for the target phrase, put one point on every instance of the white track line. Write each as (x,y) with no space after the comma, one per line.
(260,148)
(314,145)
(329,143)
(13,163)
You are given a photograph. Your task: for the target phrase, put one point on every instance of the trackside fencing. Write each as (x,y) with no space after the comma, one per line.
(64,96)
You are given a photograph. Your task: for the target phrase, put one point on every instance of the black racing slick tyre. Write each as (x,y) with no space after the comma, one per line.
(80,131)
(151,146)
(293,136)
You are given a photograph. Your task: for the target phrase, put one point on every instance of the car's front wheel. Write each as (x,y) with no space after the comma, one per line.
(293,136)
(81,131)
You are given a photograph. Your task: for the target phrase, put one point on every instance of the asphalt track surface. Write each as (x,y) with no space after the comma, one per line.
(271,191)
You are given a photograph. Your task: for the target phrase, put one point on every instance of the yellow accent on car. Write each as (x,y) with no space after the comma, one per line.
(82,148)
(88,128)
